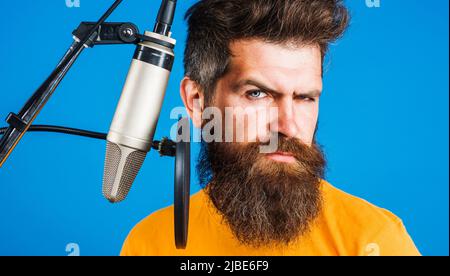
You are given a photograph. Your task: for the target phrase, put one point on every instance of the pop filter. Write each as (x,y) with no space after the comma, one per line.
(182,183)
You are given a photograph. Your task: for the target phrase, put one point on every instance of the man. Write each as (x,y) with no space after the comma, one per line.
(263,55)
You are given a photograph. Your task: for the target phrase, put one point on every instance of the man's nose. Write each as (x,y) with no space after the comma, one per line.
(285,123)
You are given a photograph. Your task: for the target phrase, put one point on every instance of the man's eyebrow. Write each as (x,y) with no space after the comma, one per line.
(258,84)
(309,94)
(265,88)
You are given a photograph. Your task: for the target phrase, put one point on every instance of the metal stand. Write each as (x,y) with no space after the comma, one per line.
(87,35)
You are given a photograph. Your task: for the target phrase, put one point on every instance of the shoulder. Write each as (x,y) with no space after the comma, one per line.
(155,232)
(367,227)
(355,208)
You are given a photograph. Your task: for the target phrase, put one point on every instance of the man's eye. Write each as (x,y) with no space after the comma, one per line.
(256,94)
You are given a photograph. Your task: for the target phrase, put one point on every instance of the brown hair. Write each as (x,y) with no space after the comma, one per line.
(214,24)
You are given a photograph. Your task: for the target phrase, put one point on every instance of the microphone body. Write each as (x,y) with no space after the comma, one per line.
(133,127)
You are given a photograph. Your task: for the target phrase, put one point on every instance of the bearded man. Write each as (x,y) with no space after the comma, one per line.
(261,55)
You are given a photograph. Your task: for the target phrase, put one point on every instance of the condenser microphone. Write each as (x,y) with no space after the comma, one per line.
(132,129)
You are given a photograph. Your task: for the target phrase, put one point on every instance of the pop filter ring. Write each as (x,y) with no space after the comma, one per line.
(182,187)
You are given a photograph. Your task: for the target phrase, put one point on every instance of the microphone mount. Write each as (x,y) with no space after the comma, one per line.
(88,35)
(107,33)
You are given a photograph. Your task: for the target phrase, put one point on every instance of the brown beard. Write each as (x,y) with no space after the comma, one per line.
(263,201)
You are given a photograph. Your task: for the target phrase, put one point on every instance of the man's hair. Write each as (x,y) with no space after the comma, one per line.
(214,24)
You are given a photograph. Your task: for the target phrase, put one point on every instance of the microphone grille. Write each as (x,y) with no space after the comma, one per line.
(122,164)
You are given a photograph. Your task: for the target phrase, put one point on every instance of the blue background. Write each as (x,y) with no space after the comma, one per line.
(383,123)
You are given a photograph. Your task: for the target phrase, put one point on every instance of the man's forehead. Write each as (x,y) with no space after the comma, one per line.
(285,69)
(256,54)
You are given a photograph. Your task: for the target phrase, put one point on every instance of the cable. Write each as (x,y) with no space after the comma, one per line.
(165,147)
(65,130)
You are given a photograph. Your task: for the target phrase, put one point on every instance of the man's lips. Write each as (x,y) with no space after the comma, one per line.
(281,156)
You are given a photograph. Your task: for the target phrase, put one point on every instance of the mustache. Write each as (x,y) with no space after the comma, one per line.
(309,157)
(217,158)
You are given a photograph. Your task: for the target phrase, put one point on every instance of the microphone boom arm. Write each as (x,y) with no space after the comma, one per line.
(21,122)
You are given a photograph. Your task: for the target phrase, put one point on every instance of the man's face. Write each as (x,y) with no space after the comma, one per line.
(264,76)
(265,197)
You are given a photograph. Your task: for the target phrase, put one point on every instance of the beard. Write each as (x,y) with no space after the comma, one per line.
(264,202)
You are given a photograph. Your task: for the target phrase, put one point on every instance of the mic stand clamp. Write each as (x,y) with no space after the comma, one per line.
(109,33)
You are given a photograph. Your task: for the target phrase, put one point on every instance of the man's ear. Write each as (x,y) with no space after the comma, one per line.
(193,100)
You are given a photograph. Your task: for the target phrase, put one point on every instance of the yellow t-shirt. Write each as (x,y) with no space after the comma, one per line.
(347,225)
